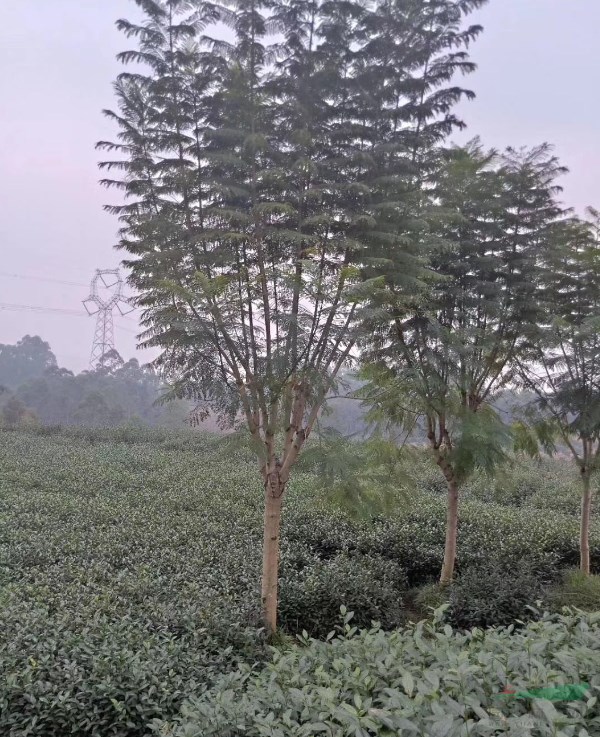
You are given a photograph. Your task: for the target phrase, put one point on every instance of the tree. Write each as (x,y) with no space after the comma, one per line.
(563,370)
(15,413)
(490,217)
(110,362)
(94,411)
(30,358)
(58,397)
(115,393)
(259,179)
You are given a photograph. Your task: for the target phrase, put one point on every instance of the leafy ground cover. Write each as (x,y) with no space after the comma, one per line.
(113,588)
(425,680)
(130,562)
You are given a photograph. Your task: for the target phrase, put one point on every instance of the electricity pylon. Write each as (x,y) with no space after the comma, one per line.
(106,294)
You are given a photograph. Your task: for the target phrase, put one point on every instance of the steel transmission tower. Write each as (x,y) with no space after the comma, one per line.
(106,294)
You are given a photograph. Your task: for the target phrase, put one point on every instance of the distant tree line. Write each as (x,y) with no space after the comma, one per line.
(36,390)
(347,414)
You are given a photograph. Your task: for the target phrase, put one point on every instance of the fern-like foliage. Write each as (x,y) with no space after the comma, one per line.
(364,479)
(264,177)
(489,219)
(564,370)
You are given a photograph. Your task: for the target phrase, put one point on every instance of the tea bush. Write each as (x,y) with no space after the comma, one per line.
(102,676)
(428,597)
(130,570)
(415,537)
(129,577)
(525,482)
(548,483)
(426,680)
(493,594)
(371,586)
(576,590)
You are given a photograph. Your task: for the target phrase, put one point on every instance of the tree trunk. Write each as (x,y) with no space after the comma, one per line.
(270,570)
(451,532)
(584,533)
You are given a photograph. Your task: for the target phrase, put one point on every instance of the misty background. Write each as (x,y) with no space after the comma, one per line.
(58,62)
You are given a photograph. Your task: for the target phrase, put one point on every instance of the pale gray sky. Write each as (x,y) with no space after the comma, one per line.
(539,66)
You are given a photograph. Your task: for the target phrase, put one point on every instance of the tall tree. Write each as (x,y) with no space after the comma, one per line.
(28,359)
(489,218)
(129,393)
(261,174)
(563,370)
(15,414)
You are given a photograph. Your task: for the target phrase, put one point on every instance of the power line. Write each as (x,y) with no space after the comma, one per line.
(10,307)
(35,308)
(43,278)
(56,281)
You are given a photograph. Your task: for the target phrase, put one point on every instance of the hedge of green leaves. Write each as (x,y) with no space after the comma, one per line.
(414,536)
(128,576)
(130,567)
(547,483)
(426,680)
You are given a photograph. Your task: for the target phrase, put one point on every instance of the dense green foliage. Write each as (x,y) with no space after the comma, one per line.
(454,350)
(36,389)
(370,585)
(564,369)
(124,393)
(445,359)
(130,560)
(28,359)
(115,600)
(426,680)
(265,176)
(496,593)
(576,590)
(262,171)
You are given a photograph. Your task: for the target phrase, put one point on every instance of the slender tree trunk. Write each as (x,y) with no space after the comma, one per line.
(584,533)
(451,531)
(270,570)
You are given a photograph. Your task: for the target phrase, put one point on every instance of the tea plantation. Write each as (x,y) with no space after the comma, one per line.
(129,583)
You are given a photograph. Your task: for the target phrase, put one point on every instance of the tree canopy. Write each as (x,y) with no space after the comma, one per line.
(263,176)
(563,370)
(490,219)
(120,392)
(28,359)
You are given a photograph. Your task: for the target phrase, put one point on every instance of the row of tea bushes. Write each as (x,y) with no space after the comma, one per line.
(147,555)
(426,680)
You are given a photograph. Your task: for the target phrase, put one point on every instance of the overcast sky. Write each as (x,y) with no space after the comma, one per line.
(539,66)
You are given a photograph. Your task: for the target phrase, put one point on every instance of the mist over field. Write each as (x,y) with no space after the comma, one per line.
(299,368)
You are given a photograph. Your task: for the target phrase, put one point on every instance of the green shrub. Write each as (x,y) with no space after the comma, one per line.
(415,538)
(372,587)
(548,483)
(490,594)
(129,580)
(102,677)
(526,481)
(428,597)
(322,533)
(144,551)
(425,680)
(576,590)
